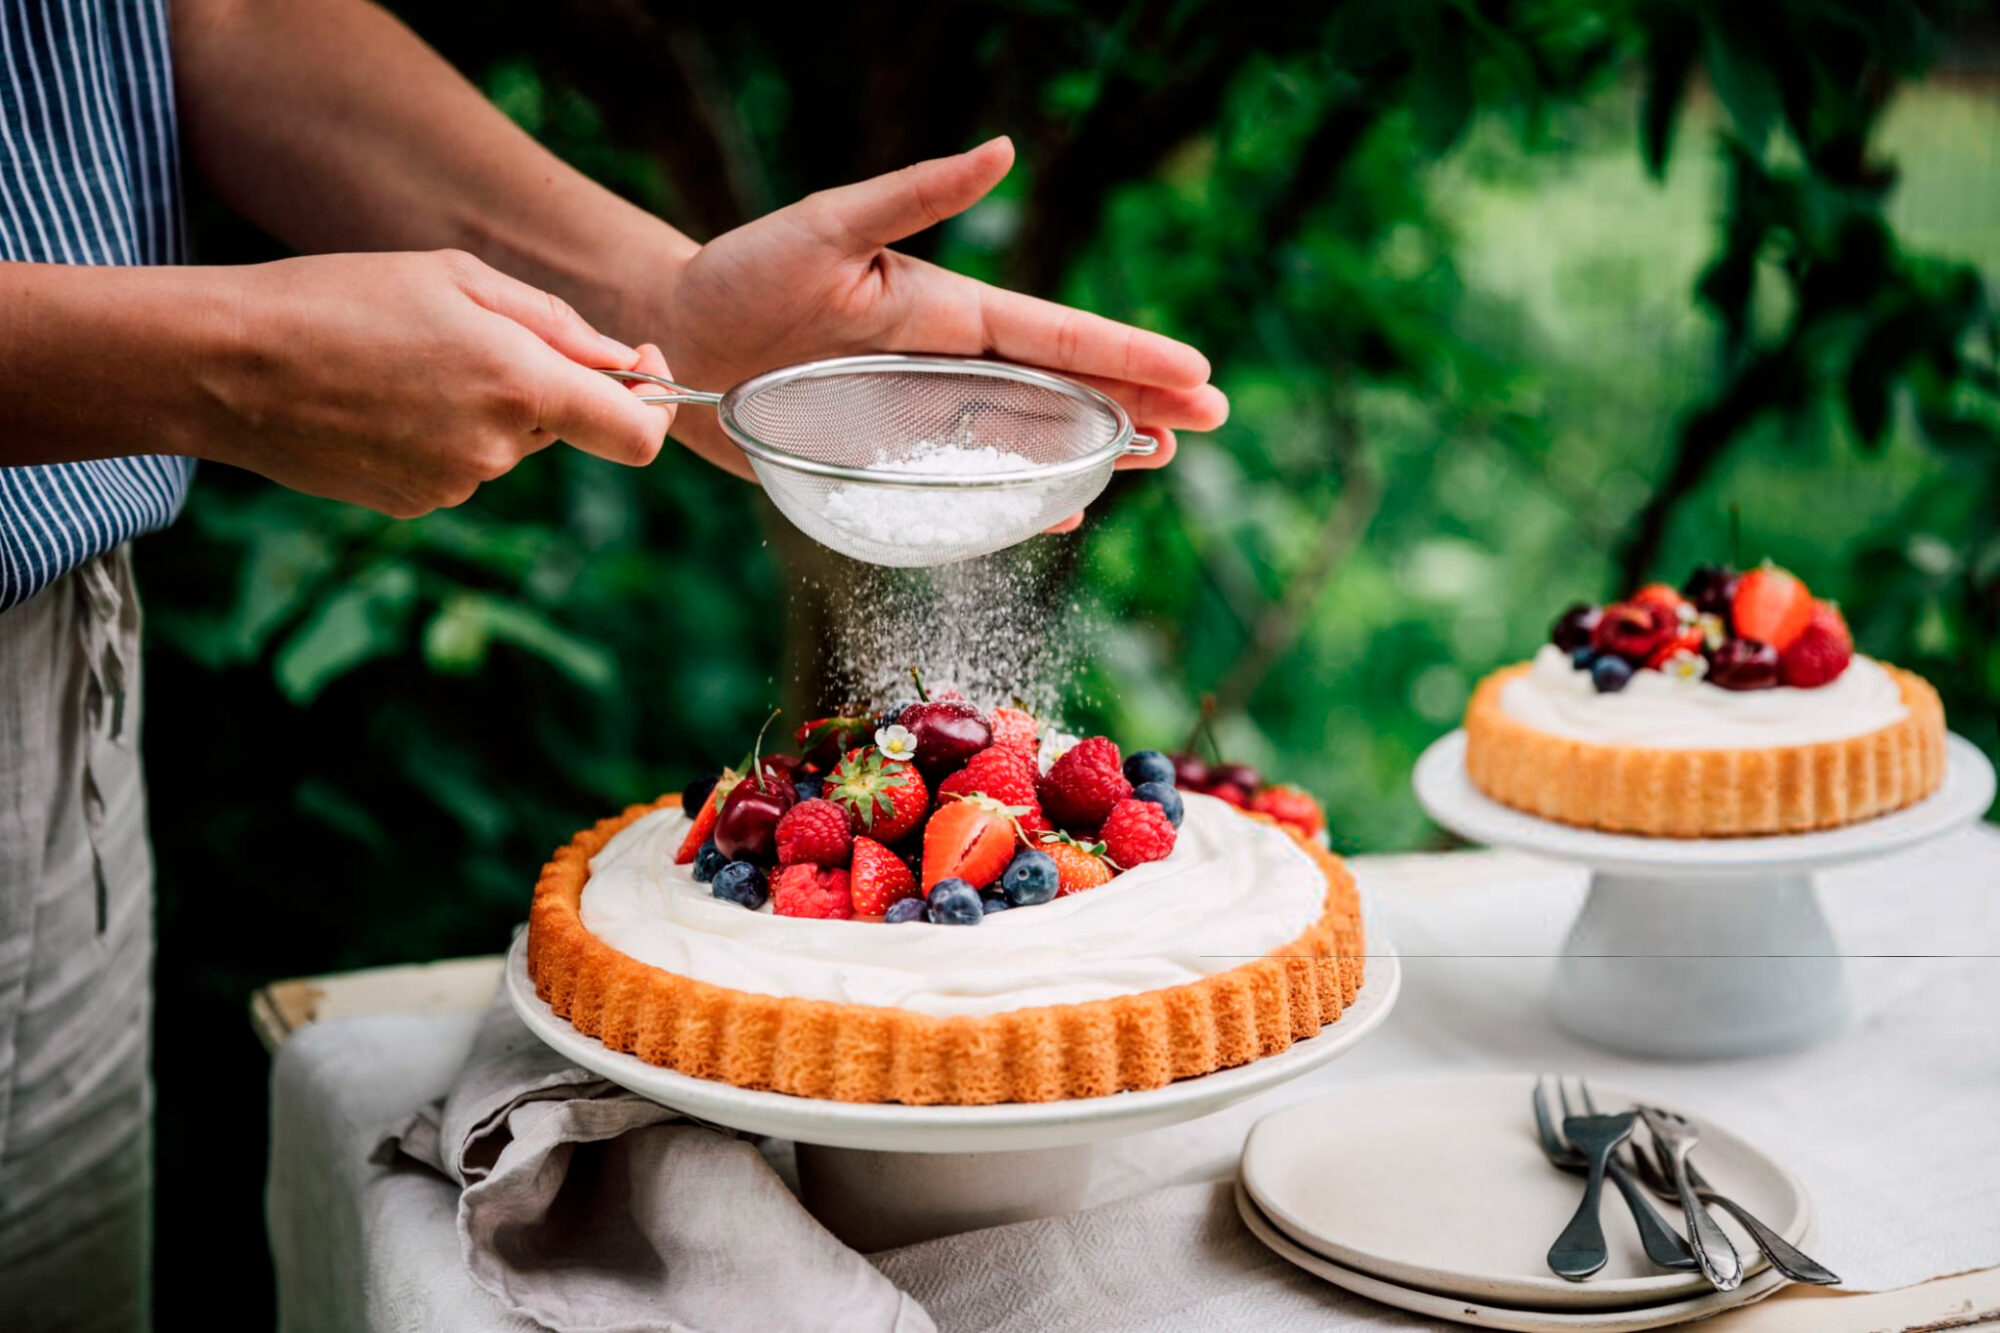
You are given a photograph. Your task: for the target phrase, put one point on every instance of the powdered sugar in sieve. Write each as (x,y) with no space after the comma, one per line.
(917,521)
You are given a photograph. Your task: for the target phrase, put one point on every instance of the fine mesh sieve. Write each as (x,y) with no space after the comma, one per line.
(919,460)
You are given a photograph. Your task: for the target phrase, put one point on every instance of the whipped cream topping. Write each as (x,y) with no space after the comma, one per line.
(1233,890)
(1678,713)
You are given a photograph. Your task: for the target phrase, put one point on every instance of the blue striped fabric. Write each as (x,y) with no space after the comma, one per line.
(89,174)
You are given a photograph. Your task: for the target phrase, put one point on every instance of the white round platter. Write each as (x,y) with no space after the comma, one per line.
(1447,794)
(1439,1184)
(1459,1310)
(1009,1126)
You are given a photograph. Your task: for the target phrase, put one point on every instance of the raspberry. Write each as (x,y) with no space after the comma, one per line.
(1012,726)
(1008,776)
(1821,652)
(815,832)
(1136,832)
(1083,785)
(812,891)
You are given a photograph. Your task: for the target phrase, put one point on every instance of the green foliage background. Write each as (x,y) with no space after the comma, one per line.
(1515,303)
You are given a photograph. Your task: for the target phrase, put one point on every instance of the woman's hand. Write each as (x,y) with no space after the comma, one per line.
(817,280)
(402,381)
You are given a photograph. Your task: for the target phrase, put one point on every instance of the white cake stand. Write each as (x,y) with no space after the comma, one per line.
(882,1174)
(1694,948)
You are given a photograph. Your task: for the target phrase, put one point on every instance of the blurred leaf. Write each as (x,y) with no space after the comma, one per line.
(458,637)
(363,620)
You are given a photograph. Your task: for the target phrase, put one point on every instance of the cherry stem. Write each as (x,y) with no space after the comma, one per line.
(917,680)
(757,750)
(1204,728)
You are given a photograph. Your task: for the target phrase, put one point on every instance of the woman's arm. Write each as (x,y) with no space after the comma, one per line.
(396,381)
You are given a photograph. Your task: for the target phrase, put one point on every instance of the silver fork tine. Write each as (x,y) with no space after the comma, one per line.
(1583,1086)
(1562,1091)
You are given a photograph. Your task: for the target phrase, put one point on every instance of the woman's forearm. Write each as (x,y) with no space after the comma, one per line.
(335,128)
(99,362)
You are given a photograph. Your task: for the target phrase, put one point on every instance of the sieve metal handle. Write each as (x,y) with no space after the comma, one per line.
(681,392)
(1141,446)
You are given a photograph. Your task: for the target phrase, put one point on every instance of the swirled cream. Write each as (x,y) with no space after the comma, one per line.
(1677,713)
(1233,890)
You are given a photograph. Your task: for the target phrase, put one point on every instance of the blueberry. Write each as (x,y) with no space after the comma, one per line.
(810,788)
(1582,657)
(741,883)
(695,794)
(1610,673)
(707,861)
(1144,766)
(953,902)
(906,909)
(1163,795)
(1030,878)
(991,902)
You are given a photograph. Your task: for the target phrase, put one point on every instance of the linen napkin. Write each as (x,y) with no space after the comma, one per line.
(591,1210)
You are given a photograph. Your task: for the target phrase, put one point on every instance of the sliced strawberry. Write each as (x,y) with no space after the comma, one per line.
(970,838)
(704,819)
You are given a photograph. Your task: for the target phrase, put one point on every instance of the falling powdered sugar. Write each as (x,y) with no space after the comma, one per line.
(890,519)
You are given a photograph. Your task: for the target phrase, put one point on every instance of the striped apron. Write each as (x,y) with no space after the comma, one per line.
(89,174)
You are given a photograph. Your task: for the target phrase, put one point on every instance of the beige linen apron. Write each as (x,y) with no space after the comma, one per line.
(76,942)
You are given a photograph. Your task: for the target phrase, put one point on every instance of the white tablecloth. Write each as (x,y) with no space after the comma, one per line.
(1894,1127)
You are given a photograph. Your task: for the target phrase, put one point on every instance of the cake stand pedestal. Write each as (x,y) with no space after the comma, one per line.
(1699,948)
(879,1175)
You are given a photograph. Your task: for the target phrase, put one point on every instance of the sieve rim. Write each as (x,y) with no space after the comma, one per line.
(884,362)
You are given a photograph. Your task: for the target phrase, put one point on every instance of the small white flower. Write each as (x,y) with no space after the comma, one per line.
(1713,631)
(1686,665)
(896,742)
(1686,614)
(1055,744)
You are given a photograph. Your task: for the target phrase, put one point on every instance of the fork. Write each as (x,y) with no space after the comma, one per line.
(1787,1258)
(1662,1243)
(1580,1251)
(1675,1137)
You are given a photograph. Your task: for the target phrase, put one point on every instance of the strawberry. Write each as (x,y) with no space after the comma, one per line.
(816,832)
(1291,806)
(704,819)
(970,838)
(1008,776)
(879,878)
(1771,606)
(812,891)
(1689,640)
(823,740)
(1136,832)
(1821,652)
(884,798)
(1079,866)
(1665,595)
(1081,787)
(1013,726)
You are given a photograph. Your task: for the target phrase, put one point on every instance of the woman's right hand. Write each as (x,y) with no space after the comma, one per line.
(402,381)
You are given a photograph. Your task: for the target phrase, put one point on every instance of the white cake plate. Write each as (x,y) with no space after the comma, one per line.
(1696,948)
(880,1174)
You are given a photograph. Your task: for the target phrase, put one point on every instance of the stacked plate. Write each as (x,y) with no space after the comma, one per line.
(1432,1195)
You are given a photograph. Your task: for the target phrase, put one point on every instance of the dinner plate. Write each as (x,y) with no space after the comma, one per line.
(1439,1184)
(1460,1310)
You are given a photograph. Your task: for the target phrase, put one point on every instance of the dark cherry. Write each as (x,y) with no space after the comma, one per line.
(948,732)
(1711,588)
(1743,664)
(1237,775)
(1190,772)
(1572,628)
(746,829)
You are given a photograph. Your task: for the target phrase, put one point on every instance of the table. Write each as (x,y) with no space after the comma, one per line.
(392,1038)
